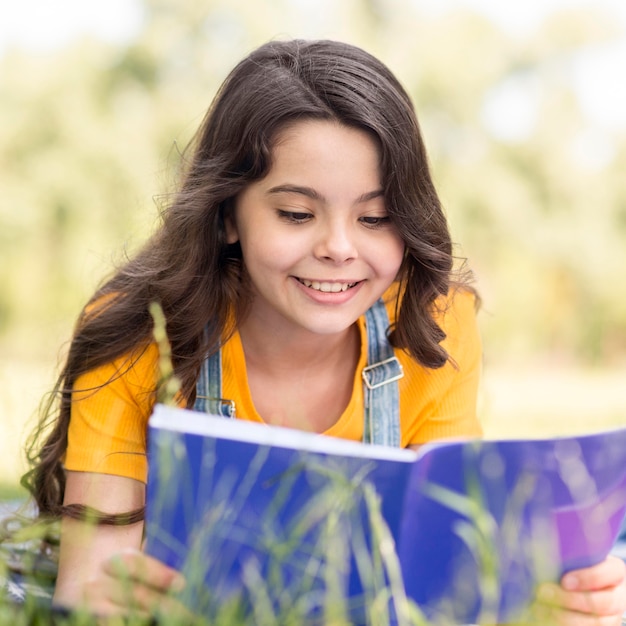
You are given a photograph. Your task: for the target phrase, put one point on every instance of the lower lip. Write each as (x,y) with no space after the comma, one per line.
(329,297)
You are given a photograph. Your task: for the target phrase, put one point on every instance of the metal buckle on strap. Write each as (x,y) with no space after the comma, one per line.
(391,379)
(230,404)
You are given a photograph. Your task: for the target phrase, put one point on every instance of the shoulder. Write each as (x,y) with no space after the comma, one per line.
(132,376)
(456,315)
(110,408)
(441,403)
(454,312)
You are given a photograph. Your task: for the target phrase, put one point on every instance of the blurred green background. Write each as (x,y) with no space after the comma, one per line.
(520,110)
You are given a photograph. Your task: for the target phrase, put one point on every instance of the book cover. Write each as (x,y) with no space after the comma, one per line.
(299,522)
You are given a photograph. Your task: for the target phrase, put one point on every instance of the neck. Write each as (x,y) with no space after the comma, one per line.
(282,351)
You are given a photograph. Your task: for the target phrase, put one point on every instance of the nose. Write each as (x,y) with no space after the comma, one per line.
(336,242)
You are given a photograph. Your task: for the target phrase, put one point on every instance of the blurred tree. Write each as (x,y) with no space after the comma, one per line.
(96,132)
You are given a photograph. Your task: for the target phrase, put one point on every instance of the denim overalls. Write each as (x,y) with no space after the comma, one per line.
(380,384)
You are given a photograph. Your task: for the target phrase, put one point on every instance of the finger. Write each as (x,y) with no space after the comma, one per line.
(605,602)
(101,598)
(137,599)
(113,597)
(134,565)
(610,573)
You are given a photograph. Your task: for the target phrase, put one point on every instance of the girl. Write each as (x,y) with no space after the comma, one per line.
(306,200)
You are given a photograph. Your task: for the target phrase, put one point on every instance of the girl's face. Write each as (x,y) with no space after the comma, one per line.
(316,239)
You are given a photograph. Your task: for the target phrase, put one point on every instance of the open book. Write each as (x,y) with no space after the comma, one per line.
(462,529)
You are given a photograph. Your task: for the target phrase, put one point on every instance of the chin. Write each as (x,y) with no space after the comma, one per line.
(330,328)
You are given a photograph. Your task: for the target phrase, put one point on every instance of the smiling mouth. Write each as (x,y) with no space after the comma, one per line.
(326,287)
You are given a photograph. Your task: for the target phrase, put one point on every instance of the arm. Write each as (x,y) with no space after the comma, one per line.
(96,563)
(101,567)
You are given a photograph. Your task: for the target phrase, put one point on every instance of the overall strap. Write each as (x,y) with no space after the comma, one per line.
(209,389)
(380,382)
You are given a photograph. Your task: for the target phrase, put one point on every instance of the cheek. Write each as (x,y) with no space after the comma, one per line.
(393,257)
(262,254)
(275,249)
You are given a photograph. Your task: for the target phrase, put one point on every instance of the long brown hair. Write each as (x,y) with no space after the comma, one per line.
(190,270)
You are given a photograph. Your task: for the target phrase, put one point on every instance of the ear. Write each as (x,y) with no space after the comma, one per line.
(230,226)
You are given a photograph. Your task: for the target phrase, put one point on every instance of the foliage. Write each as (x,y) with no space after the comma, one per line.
(96,132)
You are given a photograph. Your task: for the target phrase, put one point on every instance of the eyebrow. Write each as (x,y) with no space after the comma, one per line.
(309,192)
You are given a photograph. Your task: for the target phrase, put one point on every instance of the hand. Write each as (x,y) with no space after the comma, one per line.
(132,582)
(594,596)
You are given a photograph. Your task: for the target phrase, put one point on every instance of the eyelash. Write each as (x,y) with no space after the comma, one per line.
(300,217)
(375,221)
(294,217)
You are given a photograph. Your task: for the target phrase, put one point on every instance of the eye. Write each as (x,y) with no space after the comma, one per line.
(294,217)
(374,221)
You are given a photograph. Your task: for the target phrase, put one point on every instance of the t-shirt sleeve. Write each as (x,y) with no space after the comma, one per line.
(109,415)
(442,403)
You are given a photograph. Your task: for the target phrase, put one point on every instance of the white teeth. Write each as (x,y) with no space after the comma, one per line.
(326,287)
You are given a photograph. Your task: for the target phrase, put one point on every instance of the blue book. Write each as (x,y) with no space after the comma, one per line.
(309,527)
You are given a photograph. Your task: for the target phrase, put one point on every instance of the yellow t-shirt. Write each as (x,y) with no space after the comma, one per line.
(112,404)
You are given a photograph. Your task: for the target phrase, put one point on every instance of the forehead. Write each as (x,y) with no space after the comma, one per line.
(326,150)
